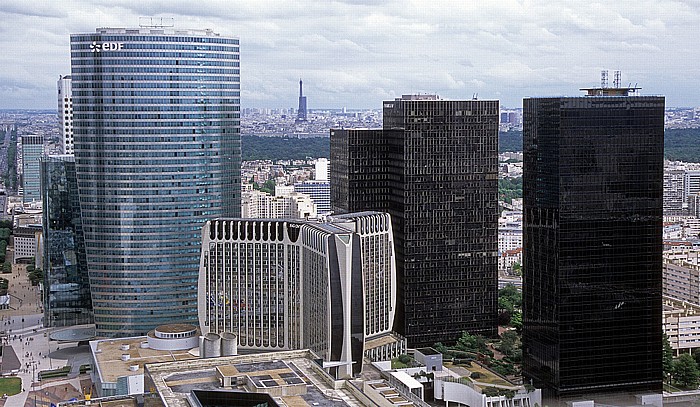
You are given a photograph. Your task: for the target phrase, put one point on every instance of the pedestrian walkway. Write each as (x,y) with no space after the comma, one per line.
(24,331)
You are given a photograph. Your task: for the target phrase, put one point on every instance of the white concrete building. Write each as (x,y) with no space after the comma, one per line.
(289,205)
(65,113)
(284,285)
(681,275)
(681,321)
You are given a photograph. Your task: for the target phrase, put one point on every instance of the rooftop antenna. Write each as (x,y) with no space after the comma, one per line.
(156,22)
(618,79)
(604,78)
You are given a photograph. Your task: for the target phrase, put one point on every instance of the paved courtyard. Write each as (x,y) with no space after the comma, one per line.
(23,327)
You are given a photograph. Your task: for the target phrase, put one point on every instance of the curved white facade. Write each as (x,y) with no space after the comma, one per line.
(286,284)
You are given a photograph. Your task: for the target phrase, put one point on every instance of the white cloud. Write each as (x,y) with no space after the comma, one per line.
(356,52)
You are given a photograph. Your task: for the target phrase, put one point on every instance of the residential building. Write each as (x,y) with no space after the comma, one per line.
(592,188)
(32,151)
(681,275)
(434,168)
(65,113)
(284,285)
(319,191)
(691,183)
(321,170)
(682,325)
(67,299)
(287,204)
(157,150)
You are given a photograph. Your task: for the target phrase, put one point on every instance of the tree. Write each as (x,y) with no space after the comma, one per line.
(516,321)
(471,343)
(510,298)
(517,269)
(668,357)
(510,342)
(685,372)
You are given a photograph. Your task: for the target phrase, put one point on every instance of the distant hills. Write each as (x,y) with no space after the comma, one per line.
(680,145)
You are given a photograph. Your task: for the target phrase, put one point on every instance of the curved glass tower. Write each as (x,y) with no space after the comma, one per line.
(157,151)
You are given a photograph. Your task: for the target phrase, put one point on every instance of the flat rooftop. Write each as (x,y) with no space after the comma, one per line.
(108,356)
(265,373)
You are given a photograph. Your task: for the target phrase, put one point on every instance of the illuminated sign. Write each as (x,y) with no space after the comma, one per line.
(105,46)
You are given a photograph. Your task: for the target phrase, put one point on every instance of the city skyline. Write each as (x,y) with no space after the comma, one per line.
(353,53)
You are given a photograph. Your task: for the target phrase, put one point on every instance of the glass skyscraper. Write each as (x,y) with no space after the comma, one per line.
(66,285)
(157,150)
(592,184)
(32,150)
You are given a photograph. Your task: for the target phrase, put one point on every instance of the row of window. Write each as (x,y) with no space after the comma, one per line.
(140,45)
(77,38)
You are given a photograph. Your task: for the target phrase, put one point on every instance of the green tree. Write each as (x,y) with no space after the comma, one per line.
(516,321)
(685,372)
(668,357)
(471,343)
(510,342)
(268,186)
(517,269)
(509,298)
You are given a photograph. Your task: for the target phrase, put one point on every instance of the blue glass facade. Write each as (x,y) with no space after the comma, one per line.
(157,149)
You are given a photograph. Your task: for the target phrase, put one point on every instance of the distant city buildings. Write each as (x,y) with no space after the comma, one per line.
(157,146)
(65,114)
(285,285)
(286,203)
(434,168)
(593,183)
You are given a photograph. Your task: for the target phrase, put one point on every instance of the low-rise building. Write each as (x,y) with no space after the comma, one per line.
(681,321)
(27,239)
(118,364)
(509,258)
(681,275)
(290,205)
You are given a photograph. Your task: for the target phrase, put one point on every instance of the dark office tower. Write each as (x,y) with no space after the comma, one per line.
(156,120)
(66,285)
(593,182)
(434,168)
(301,113)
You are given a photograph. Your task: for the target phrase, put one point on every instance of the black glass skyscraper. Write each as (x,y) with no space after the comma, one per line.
(434,168)
(592,186)
(156,118)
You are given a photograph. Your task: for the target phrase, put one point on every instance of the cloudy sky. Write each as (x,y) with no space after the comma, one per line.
(356,53)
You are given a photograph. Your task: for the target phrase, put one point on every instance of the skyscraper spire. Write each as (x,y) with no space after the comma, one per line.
(301,115)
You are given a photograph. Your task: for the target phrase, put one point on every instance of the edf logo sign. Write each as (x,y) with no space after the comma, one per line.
(105,46)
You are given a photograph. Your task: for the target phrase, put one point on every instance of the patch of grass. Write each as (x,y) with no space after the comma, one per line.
(485,376)
(10,385)
(671,389)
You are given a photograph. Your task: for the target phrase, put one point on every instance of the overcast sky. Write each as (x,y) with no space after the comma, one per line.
(356,53)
